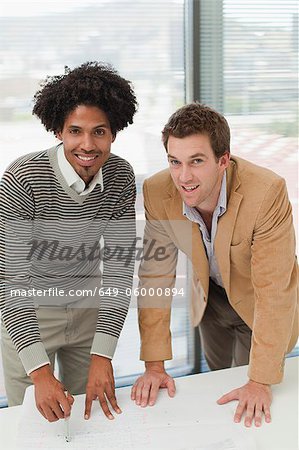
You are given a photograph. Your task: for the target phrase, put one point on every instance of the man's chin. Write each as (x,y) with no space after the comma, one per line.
(190,202)
(85,173)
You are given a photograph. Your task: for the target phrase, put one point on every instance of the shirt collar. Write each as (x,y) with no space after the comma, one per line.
(71,177)
(220,209)
(222,202)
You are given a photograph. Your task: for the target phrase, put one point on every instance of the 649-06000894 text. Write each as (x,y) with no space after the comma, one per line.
(99,291)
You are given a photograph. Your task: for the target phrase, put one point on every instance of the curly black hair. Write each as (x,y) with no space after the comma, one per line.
(93,83)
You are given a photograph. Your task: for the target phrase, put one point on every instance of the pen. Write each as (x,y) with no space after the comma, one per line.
(67,430)
(67,426)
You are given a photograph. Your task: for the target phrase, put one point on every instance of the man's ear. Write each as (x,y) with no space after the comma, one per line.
(113,137)
(224,160)
(58,135)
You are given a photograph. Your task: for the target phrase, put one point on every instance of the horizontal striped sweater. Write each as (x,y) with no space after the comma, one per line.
(53,238)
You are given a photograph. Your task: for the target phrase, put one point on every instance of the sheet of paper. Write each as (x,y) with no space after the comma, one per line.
(170,424)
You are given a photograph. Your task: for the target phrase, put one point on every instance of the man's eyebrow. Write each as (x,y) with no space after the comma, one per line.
(196,155)
(100,125)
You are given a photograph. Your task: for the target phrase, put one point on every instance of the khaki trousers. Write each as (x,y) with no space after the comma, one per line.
(225,337)
(67,333)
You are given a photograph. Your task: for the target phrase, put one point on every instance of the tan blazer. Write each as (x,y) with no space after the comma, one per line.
(255,250)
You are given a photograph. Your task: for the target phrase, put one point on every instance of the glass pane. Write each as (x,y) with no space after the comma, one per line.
(256,75)
(261,84)
(144,41)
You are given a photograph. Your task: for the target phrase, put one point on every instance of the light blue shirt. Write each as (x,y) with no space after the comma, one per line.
(72,178)
(208,240)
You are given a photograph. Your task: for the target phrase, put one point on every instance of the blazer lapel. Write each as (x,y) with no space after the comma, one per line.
(226,224)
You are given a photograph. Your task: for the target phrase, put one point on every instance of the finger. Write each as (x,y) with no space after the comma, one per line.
(232,395)
(139,388)
(170,384)
(249,415)
(88,403)
(105,407)
(110,394)
(133,392)
(258,415)
(70,399)
(58,411)
(63,403)
(153,394)
(267,414)
(145,394)
(239,411)
(49,414)
(41,411)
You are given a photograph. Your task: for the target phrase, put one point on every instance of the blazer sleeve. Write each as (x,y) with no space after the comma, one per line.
(157,274)
(274,277)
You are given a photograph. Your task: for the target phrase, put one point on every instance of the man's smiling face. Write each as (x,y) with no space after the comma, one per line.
(87,139)
(195,171)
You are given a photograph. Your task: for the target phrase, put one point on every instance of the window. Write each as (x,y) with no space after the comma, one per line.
(247,68)
(144,41)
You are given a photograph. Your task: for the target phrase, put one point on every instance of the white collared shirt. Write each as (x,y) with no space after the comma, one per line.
(208,239)
(72,178)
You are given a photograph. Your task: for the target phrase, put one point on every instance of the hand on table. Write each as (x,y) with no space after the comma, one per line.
(50,397)
(254,400)
(101,385)
(145,389)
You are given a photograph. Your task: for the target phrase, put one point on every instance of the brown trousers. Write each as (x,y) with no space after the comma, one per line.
(226,339)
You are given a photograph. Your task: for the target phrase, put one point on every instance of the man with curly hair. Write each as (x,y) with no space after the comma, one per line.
(58,207)
(233,220)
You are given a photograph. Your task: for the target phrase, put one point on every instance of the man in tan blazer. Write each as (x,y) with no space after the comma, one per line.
(233,220)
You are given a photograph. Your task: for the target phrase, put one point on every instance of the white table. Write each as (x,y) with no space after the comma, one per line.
(196,396)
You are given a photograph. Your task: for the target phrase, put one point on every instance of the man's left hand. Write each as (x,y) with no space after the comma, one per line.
(101,385)
(254,401)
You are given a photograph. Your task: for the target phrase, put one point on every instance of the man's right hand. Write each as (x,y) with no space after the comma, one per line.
(50,397)
(145,389)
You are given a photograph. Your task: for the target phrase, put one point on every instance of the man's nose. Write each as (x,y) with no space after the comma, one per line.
(185,174)
(87,143)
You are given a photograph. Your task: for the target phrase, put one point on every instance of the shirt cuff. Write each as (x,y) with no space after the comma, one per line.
(104,345)
(33,357)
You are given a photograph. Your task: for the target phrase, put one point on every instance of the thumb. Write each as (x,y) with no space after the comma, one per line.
(232,395)
(170,384)
(70,399)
